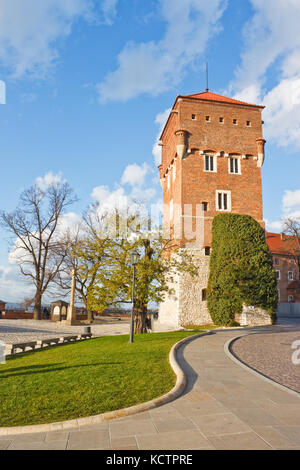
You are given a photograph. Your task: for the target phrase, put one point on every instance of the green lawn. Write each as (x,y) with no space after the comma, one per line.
(87,378)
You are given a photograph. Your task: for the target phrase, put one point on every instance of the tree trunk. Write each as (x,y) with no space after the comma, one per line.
(90,316)
(37,306)
(140,316)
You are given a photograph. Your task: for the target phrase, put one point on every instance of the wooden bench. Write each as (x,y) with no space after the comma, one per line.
(85,336)
(12,348)
(47,342)
(69,339)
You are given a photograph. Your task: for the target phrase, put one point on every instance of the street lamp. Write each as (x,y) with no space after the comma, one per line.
(134,258)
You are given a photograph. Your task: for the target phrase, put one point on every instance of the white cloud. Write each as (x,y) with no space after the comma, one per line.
(160,120)
(109,9)
(135,174)
(275,226)
(29,31)
(291,200)
(108,199)
(272,39)
(12,286)
(290,209)
(48,180)
(153,67)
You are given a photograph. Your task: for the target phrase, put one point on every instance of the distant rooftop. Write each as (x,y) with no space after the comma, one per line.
(281,243)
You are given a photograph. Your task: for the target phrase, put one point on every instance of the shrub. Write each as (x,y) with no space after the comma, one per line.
(241,269)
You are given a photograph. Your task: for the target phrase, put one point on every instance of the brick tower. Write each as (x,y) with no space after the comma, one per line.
(212,154)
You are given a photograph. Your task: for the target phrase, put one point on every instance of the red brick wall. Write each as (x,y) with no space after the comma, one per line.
(17,315)
(192,184)
(285,264)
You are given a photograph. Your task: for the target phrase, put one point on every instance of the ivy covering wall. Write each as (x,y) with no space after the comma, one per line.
(241,269)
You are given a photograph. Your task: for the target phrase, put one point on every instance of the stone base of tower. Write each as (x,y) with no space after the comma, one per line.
(185,304)
(253,316)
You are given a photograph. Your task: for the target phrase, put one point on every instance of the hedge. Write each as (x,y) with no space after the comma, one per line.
(241,269)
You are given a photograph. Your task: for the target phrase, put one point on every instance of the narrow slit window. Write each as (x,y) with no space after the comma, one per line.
(249,123)
(209,163)
(204,206)
(207,118)
(221,120)
(235,122)
(234,165)
(203,295)
(207,251)
(223,201)
(193,117)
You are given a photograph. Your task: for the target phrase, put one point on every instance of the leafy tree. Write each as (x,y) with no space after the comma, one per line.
(158,262)
(241,269)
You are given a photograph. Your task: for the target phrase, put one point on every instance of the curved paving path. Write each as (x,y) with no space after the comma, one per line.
(223,407)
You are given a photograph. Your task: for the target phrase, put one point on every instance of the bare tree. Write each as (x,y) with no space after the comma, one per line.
(33,226)
(27,302)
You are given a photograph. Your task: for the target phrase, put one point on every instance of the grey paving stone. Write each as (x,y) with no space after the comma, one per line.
(243,441)
(256,416)
(286,414)
(174,425)
(160,414)
(208,408)
(57,436)
(4,444)
(57,445)
(273,437)
(124,443)
(174,440)
(25,438)
(292,433)
(131,428)
(213,425)
(88,440)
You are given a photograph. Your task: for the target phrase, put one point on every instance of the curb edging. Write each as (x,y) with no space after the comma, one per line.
(174,393)
(230,355)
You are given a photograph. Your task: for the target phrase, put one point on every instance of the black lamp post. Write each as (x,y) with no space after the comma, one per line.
(134,258)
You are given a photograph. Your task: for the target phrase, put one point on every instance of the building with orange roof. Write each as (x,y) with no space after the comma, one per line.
(285,250)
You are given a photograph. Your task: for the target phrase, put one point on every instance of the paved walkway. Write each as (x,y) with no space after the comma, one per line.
(224,407)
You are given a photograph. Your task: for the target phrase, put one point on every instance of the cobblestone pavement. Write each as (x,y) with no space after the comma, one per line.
(271,355)
(16,331)
(223,407)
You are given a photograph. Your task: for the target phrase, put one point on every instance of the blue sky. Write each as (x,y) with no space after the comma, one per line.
(89,83)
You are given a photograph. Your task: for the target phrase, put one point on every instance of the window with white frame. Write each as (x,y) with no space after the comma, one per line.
(291,298)
(277,274)
(290,275)
(210,163)
(223,201)
(234,165)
